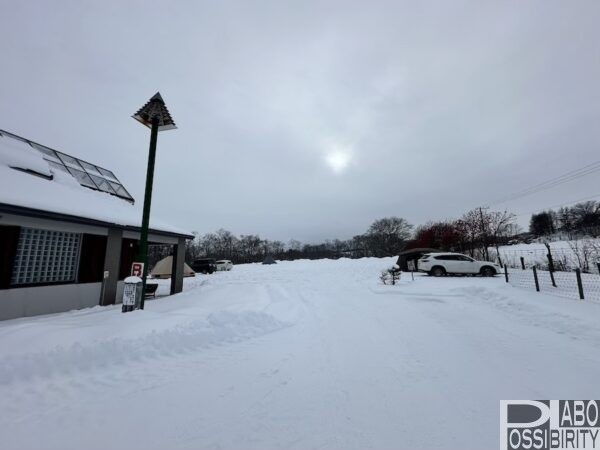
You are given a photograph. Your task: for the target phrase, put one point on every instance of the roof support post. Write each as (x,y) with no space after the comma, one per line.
(177,268)
(112,261)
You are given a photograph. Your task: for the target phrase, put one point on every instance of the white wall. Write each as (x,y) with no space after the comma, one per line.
(32,301)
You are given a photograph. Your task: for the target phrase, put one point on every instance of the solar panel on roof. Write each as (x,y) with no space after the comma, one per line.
(108,174)
(69,160)
(83,178)
(90,168)
(102,184)
(87,174)
(48,154)
(58,166)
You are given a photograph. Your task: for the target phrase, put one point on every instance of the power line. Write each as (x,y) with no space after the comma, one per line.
(591,165)
(552,182)
(595,196)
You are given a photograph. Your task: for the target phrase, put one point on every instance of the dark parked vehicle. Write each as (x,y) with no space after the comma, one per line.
(206,265)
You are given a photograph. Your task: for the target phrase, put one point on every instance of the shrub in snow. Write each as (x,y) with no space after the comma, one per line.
(391,275)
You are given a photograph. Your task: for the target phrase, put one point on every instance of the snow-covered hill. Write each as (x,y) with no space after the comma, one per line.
(304,354)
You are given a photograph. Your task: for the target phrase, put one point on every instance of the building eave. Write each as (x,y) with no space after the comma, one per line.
(50,215)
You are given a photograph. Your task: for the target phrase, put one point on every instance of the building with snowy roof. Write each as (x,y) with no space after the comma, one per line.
(69,232)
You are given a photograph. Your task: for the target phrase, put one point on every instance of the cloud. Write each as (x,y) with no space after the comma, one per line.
(421,109)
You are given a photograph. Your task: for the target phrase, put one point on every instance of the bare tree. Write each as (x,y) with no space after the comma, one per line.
(388,236)
(482,229)
(584,250)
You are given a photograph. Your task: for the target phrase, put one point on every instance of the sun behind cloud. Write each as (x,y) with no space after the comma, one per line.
(338,159)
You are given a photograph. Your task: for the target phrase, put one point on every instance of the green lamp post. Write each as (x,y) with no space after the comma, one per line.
(155,115)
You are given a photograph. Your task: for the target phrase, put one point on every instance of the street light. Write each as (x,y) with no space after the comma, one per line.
(155,116)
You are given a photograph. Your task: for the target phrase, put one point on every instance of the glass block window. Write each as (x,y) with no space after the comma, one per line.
(45,256)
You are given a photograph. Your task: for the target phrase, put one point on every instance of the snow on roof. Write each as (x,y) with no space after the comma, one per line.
(20,155)
(62,194)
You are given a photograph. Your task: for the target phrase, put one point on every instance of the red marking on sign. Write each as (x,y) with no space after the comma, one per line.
(137,269)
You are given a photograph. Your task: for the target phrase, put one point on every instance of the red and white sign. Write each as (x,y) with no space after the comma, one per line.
(137,269)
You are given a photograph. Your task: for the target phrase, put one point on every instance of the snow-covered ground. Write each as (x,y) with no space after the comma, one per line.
(304,354)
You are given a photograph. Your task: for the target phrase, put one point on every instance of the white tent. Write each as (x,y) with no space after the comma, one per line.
(162,269)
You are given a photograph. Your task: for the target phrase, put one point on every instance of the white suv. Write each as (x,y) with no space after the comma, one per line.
(439,264)
(224,264)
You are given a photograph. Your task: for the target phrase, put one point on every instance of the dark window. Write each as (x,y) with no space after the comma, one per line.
(9,239)
(129,252)
(447,257)
(91,265)
(204,261)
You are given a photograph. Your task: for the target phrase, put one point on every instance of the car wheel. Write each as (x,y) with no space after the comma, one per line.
(438,271)
(488,271)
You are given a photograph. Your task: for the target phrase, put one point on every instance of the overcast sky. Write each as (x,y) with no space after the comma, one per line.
(309,120)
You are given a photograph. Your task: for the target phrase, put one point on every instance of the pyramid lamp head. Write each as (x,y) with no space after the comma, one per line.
(155,109)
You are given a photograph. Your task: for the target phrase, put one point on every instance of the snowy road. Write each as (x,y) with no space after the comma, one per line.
(299,355)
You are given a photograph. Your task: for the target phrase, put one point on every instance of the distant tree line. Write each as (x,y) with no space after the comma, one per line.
(475,233)
(384,237)
(582,218)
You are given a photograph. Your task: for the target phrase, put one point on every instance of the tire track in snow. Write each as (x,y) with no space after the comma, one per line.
(219,328)
(341,433)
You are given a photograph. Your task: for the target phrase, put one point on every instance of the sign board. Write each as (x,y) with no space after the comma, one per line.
(137,269)
(106,274)
(129,292)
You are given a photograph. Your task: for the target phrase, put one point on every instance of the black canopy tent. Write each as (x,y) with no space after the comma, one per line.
(413,255)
